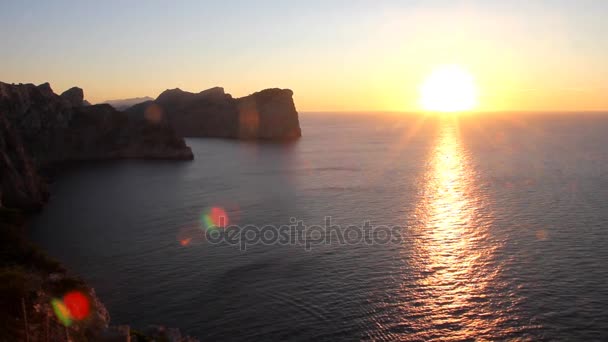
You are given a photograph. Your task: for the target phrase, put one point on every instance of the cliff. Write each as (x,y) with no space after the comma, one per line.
(269,114)
(29,279)
(74,96)
(62,128)
(20,185)
(36,122)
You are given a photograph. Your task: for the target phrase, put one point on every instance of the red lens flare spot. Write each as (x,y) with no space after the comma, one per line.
(218,217)
(77,304)
(189,236)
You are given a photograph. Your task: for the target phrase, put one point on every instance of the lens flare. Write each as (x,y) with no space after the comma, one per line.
(77,304)
(214,217)
(61,311)
(74,306)
(189,236)
(153,114)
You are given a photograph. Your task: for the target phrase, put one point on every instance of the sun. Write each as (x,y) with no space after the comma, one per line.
(448,89)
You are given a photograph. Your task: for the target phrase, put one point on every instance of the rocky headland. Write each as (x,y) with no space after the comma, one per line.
(20,185)
(269,114)
(59,128)
(29,279)
(41,129)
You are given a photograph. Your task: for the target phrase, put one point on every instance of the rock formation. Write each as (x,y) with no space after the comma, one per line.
(40,128)
(20,185)
(61,128)
(74,96)
(269,114)
(53,129)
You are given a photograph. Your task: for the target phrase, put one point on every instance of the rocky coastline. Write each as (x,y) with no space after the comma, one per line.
(268,115)
(40,130)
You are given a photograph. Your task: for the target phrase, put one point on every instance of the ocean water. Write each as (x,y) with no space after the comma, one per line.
(498,226)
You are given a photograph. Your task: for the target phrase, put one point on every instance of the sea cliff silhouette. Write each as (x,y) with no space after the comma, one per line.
(58,128)
(269,114)
(39,128)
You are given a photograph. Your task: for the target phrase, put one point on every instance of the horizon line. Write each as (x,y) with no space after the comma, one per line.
(540,111)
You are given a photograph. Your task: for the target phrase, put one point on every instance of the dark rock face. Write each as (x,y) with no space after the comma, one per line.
(269,114)
(20,185)
(210,113)
(101,132)
(74,96)
(56,128)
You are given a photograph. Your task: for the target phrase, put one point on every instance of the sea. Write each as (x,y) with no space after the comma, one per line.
(372,226)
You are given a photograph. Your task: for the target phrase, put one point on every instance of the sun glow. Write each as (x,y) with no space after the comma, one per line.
(448,89)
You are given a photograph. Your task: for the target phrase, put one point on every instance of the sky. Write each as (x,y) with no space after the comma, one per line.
(335,55)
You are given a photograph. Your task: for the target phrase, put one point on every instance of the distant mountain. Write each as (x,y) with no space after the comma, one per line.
(269,114)
(126,103)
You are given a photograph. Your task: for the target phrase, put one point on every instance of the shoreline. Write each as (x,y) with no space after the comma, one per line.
(30,280)
(43,133)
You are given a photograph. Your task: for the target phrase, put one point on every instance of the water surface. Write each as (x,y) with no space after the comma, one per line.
(504,231)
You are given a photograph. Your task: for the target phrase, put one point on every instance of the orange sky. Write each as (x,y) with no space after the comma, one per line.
(336,56)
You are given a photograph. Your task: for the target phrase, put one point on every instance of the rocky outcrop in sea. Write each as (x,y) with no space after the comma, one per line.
(58,128)
(269,114)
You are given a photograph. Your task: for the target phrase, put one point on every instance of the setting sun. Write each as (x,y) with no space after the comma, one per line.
(448,89)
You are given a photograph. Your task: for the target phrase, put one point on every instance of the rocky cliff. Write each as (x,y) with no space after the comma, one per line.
(57,128)
(29,279)
(20,185)
(74,96)
(269,114)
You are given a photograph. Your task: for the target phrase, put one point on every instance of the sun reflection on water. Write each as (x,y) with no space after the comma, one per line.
(452,258)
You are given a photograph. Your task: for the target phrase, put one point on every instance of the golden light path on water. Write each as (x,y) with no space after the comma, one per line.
(452,256)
